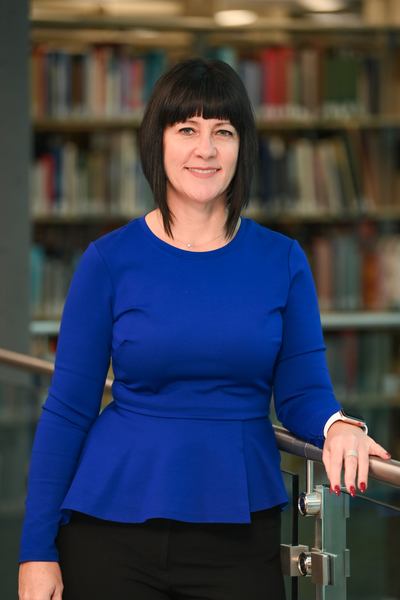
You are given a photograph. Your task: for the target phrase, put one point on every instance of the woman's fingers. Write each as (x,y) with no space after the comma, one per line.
(348,447)
(342,438)
(354,465)
(335,469)
(377,450)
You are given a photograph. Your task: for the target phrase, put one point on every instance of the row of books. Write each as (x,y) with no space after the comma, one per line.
(357,270)
(283,81)
(363,362)
(344,173)
(314,81)
(103,81)
(50,280)
(104,178)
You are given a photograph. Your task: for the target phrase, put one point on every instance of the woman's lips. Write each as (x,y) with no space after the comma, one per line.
(202,173)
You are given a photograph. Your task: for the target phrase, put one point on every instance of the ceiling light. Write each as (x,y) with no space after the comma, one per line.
(145,34)
(140,8)
(323,5)
(235,18)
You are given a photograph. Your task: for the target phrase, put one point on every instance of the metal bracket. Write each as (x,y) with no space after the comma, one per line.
(290,556)
(324,568)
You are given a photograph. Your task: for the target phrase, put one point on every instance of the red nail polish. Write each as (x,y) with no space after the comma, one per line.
(352,491)
(388,455)
(362,487)
(337,490)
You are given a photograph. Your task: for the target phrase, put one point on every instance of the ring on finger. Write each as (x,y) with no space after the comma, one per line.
(350,453)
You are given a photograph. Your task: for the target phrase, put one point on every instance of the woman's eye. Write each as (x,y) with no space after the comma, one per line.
(186,130)
(225,132)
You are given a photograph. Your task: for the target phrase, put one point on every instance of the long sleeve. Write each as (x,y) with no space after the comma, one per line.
(303,393)
(73,403)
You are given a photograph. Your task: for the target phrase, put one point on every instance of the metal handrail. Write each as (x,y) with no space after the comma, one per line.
(35,365)
(387,471)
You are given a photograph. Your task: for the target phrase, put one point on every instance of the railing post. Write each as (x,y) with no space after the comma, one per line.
(330,558)
(328,562)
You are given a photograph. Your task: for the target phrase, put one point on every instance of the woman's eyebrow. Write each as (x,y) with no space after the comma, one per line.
(227,122)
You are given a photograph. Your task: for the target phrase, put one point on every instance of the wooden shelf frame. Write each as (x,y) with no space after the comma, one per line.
(331,321)
(360,320)
(92,123)
(264,217)
(208,24)
(261,216)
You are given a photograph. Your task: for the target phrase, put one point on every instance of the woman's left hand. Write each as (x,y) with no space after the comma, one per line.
(349,444)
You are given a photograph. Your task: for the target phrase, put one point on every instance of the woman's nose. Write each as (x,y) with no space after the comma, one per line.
(205,146)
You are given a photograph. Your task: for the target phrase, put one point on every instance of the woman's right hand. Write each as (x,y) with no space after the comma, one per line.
(40,581)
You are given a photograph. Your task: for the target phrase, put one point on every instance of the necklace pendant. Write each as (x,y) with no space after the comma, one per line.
(189,245)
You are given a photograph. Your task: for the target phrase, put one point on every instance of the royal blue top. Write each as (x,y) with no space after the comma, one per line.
(198,342)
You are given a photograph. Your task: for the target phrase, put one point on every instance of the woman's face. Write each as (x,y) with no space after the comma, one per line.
(200,157)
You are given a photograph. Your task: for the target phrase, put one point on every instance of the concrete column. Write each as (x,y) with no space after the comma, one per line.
(14,175)
(15,433)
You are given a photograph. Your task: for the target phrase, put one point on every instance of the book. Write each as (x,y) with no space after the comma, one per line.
(250,73)
(307,196)
(372,274)
(349,195)
(310,66)
(323,268)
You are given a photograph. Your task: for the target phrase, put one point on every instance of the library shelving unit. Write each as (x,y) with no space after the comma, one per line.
(329,174)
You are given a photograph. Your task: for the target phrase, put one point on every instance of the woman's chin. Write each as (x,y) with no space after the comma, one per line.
(204,199)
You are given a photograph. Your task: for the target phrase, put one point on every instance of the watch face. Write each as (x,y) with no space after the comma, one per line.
(353,415)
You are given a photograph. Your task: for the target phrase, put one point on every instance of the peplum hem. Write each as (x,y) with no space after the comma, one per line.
(159,467)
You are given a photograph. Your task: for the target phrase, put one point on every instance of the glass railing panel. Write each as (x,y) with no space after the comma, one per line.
(19,409)
(376,490)
(289,529)
(373,534)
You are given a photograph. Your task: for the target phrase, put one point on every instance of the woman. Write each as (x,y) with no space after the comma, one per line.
(175,490)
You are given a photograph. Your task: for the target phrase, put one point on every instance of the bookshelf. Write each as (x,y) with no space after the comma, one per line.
(306,24)
(331,114)
(85,124)
(330,321)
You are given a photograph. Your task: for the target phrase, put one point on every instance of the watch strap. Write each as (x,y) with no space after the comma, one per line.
(339,417)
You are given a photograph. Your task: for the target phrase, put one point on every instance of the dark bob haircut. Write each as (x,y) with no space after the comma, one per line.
(203,88)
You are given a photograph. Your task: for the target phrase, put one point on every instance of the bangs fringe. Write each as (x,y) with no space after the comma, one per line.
(201,97)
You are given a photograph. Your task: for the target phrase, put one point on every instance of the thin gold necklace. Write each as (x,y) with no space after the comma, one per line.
(193,245)
(198,245)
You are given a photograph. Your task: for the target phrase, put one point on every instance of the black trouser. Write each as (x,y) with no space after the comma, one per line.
(166,559)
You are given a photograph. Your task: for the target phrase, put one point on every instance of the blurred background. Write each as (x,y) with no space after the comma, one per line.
(324,80)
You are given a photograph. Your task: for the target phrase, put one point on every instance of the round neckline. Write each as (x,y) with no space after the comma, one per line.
(189,254)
